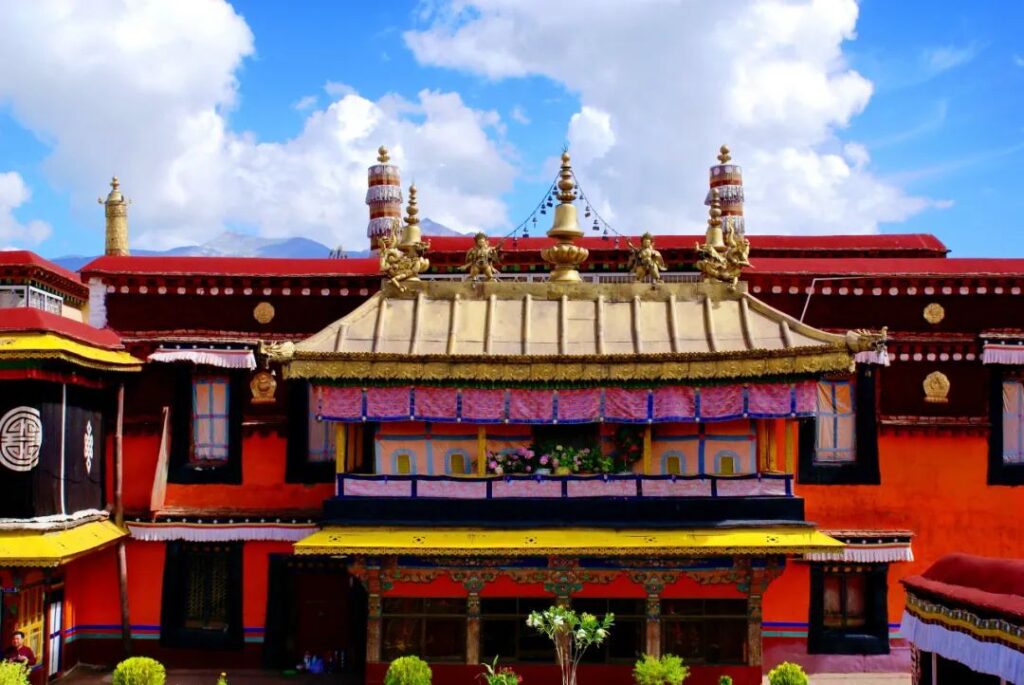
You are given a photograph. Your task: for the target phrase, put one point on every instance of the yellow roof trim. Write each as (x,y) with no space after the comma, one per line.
(566,541)
(53,346)
(44,549)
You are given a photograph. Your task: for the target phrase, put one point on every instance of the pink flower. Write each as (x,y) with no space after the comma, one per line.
(499,470)
(544,459)
(529,454)
(529,468)
(493,464)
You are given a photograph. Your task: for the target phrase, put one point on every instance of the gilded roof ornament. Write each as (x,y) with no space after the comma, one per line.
(645,262)
(723,255)
(402,255)
(382,155)
(565,256)
(482,259)
(723,155)
(116,210)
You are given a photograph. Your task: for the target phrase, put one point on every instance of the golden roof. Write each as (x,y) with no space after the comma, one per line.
(47,549)
(576,332)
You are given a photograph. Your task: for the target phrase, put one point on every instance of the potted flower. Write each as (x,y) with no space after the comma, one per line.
(511,460)
(571,634)
(493,675)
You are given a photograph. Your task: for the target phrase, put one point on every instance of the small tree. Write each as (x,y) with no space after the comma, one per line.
(493,675)
(140,670)
(668,670)
(787,674)
(408,670)
(12,673)
(572,634)
(725,680)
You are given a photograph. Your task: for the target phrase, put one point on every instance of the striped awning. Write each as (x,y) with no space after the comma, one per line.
(867,547)
(338,540)
(206,356)
(48,549)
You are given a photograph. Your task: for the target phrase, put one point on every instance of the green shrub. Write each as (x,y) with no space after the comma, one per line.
(725,680)
(408,670)
(223,679)
(668,670)
(787,674)
(500,675)
(13,674)
(140,670)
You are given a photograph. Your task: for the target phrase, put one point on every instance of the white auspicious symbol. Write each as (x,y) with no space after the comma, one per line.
(88,447)
(21,436)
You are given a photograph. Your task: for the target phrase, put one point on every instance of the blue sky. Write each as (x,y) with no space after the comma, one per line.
(915,127)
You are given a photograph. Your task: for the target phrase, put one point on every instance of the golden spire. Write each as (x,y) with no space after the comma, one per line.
(565,257)
(713,236)
(382,155)
(411,210)
(723,155)
(116,210)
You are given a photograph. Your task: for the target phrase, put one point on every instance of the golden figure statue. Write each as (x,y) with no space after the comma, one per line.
(481,259)
(402,256)
(722,257)
(645,261)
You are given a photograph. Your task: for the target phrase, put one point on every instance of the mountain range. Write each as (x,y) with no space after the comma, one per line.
(233,244)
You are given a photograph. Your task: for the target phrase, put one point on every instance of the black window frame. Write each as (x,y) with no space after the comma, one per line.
(173,632)
(873,637)
(702,619)
(298,468)
(999,472)
(180,471)
(862,471)
(517,616)
(624,615)
(424,616)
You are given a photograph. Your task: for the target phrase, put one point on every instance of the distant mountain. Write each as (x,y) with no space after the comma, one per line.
(231,244)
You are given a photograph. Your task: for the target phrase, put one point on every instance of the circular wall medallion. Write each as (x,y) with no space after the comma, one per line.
(936,388)
(934,313)
(21,437)
(263,312)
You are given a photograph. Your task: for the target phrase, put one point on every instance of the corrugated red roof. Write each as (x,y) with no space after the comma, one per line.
(230,266)
(26,258)
(973,582)
(921,266)
(31,320)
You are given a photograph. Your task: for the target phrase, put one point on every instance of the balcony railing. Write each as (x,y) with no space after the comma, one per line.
(551,487)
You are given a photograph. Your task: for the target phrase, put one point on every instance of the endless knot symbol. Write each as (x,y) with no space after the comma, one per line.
(88,451)
(21,436)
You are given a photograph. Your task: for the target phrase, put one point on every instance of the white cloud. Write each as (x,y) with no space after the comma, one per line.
(518,114)
(144,89)
(663,84)
(946,57)
(13,194)
(305,103)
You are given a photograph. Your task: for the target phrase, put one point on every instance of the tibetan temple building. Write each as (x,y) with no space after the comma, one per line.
(750,448)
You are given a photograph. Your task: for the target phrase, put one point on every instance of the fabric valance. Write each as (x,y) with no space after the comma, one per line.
(589,405)
(206,356)
(219,532)
(1003,353)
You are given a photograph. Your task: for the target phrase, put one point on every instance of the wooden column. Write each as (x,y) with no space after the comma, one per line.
(473,628)
(654,625)
(122,557)
(790,446)
(340,447)
(647,457)
(481,452)
(373,628)
(754,629)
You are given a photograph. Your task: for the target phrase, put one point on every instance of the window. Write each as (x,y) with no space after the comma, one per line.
(1013,417)
(29,618)
(711,631)
(458,464)
(202,603)
(321,434)
(504,633)
(312,443)
(628,639)
(673,465)
(726,465)
(210,435)
(403,464)
(848,609)
(840,444)
(433,628)
(836,434)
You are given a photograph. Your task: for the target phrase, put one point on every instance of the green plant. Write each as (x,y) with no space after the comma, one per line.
(572,634)
(725,680)
(500,676)
(13,674)
(629,446)
(140,670)
(223,679)
(408,670)
(668,670)
(787,674)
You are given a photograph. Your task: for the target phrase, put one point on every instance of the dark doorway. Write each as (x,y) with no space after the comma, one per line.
(314,606)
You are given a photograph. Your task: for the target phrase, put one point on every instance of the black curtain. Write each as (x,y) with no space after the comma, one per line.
(84,450)
(35,492)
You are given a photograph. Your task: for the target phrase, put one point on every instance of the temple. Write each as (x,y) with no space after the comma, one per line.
(750,448)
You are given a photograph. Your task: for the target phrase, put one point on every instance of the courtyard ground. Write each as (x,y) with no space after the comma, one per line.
(85,676)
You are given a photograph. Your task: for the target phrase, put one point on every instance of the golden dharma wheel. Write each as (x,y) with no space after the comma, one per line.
(263,312)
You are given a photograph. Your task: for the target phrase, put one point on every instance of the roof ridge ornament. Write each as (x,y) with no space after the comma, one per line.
(402,254)
(722,256)
(116,210)
(565,256)
(645,262)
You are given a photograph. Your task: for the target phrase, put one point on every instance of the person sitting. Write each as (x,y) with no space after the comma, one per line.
(19,652)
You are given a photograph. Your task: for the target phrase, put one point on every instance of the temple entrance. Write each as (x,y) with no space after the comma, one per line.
(316,617)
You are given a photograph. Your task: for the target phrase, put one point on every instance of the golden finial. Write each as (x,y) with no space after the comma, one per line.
(723,155)
(565,257)
(116,210)
(722,257)
(382,155)
(411,209)
(715,212)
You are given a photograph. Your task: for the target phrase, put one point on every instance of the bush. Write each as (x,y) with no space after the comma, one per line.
(223,679)
(408,670)
(725,680)
(668,670)
(140,670)
(787,674)
(13,674)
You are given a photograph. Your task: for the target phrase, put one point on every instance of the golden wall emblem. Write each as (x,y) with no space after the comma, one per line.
(934,313)
(936,388)
(263,386)
(263,313)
